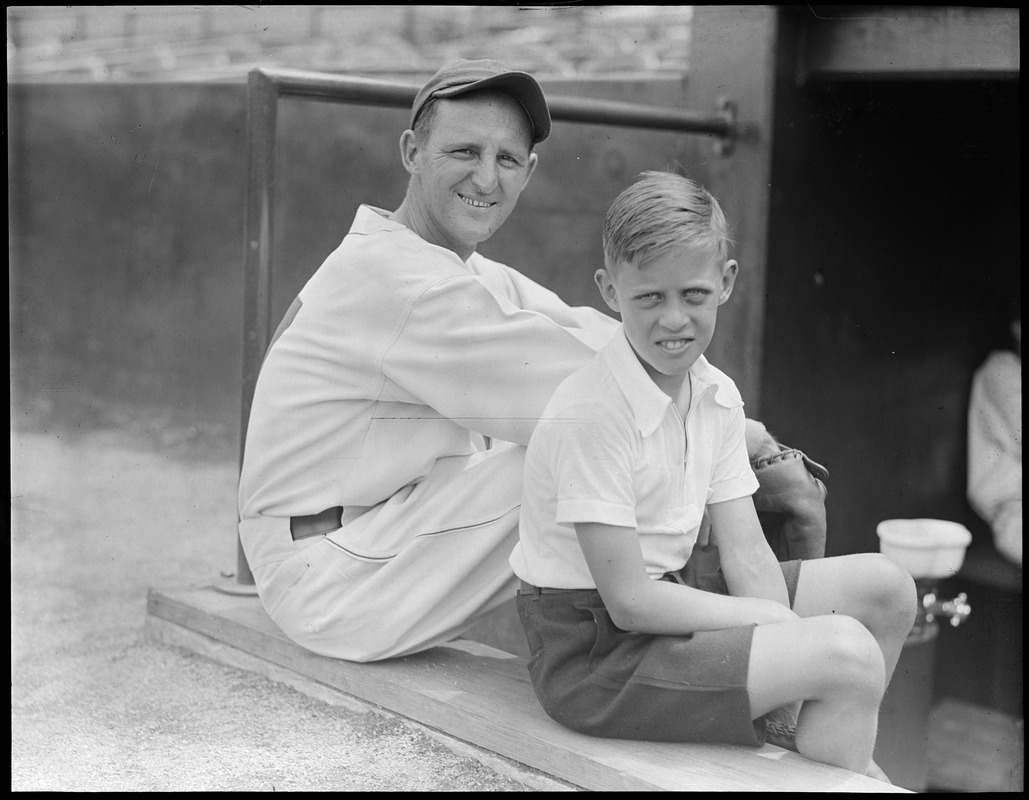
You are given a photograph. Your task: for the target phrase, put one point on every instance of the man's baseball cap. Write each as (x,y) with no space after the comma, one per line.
(462,75)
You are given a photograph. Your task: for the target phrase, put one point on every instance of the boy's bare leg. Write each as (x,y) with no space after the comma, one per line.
(872,590)
(832,664)
(866,586)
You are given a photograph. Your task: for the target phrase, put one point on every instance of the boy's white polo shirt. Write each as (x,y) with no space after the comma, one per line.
(612,448)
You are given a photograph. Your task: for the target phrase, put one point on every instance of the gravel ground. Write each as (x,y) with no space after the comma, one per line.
(103,511)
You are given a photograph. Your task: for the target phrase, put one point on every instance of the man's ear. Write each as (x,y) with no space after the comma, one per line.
(729,272)
(409,150)
(533,161)
(607,289)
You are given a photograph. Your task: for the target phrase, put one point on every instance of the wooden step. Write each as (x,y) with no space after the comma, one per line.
(482,695)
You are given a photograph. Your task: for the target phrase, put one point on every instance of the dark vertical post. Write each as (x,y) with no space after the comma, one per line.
(262,107)
(743,182)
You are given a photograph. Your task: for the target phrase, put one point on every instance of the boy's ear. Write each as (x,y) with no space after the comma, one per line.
(607,289)
(408,150)
(729,272)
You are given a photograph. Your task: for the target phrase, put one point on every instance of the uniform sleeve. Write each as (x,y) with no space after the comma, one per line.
(478,359)
(591,450)
(587,323)
(732,476)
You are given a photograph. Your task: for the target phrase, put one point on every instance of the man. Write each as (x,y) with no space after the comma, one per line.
(381,481)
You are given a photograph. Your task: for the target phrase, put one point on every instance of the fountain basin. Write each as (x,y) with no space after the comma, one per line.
(926,548)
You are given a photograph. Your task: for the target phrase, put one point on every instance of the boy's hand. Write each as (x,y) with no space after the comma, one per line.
(637,602)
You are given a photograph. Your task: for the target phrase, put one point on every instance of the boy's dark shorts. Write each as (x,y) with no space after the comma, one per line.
(598,679)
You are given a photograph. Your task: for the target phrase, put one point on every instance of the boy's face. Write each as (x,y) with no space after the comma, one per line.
(668,308)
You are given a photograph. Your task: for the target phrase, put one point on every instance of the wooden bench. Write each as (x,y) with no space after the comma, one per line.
(481,695)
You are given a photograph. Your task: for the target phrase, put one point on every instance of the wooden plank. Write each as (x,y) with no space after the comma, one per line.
(482,696)
(910,42)
(975,749)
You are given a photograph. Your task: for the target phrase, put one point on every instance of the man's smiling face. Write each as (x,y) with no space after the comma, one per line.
(469,169)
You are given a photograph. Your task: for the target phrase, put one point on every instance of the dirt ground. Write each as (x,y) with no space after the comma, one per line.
(106,503)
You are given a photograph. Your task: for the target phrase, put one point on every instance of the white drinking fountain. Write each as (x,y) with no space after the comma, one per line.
(931,550)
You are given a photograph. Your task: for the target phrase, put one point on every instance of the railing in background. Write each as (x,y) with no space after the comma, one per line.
(264,89)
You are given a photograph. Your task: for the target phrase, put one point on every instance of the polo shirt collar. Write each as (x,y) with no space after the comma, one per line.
(648,403)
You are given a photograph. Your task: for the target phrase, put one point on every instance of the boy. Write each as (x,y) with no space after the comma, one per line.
(630,453)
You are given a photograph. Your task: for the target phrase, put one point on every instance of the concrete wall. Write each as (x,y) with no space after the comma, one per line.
(127,209)
(126,230)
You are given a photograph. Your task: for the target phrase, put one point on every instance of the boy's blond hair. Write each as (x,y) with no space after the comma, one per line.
(657,212)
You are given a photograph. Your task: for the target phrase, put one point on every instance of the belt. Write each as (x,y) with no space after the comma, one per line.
(316,524)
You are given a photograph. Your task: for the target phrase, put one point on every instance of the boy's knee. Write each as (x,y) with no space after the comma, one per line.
(854,658)
(900,585)
(895,590)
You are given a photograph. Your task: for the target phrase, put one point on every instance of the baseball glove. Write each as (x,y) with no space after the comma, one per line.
(790,500)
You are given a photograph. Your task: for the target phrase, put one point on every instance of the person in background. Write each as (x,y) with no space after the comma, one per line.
(995,446)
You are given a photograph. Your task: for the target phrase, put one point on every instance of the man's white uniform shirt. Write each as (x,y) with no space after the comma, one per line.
(402,354)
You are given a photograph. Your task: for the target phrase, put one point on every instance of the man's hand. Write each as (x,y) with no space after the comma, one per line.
(791,498)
